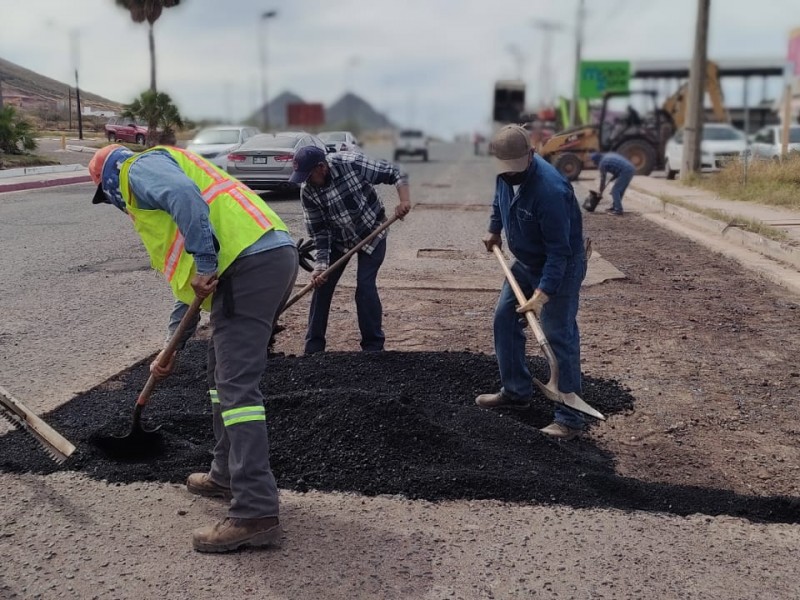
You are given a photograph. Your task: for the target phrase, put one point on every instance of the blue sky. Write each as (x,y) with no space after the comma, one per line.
(429,64)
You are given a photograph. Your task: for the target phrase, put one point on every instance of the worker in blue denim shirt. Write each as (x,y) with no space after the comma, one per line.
(536,208)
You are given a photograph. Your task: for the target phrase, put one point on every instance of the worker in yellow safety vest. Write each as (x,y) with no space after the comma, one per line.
(212,237)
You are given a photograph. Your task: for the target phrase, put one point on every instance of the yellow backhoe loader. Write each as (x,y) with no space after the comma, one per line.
(640,140)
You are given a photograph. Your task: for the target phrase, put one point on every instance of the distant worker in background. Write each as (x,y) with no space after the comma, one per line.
(341,208)
(622,172)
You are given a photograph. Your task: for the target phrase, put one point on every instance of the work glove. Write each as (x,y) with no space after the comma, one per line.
(492,239)
(535,304)
(305,249)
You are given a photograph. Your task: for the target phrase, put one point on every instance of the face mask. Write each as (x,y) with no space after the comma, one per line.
(514,178)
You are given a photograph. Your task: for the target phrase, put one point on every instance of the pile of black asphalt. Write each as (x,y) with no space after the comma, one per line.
(394,423)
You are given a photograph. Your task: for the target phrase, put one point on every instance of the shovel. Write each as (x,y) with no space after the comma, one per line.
(141,442)
(21,417)
(549,389)
(310,286)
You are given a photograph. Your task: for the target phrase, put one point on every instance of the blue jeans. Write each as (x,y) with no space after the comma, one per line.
(368,303)
(620,185)
(559,322)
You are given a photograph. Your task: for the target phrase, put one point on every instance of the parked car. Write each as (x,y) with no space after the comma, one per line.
(215,143)
(341,141)
(411,142)
(125,129)
(767,142)
(720,144)
(265,161)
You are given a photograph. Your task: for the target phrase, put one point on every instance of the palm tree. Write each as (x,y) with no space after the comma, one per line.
(158,110)
(150,11)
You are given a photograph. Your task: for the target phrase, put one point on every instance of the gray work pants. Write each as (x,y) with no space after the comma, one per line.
(245,307)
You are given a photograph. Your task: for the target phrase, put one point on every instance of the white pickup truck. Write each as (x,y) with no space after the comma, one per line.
(411,142)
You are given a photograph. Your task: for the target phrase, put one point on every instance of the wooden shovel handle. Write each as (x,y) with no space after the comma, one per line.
(531,318)
(172,344)
(309,286)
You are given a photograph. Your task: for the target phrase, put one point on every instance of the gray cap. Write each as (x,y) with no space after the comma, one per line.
(511,148)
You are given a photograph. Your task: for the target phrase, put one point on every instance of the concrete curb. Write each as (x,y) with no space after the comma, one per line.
(73,148)
(780,251)
(24,171)
(32,185)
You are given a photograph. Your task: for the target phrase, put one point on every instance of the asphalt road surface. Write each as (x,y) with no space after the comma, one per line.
(79,304)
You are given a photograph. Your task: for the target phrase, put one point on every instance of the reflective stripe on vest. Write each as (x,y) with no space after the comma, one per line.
(214,396)
(243,415)
(237,215)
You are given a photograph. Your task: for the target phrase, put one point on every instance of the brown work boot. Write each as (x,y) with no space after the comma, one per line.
(202,485)
(232,534)
(560,431)
(501,400)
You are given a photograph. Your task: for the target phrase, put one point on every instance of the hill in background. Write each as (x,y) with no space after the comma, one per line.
(34,93)
(350,111)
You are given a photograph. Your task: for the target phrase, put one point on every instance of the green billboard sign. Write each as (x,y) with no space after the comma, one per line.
(601,76)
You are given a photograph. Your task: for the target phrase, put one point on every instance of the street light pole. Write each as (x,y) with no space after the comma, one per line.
(545,90)
(576,87)
(265,17)
(352,63)
(74,50)
(519,59)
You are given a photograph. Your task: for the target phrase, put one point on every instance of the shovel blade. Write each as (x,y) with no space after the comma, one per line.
(572,400)
(139,445)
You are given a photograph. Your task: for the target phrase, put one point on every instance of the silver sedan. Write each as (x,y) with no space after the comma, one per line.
(265,161)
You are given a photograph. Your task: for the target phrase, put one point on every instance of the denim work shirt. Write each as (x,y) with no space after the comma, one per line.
(542,222)
(617,165)
(159,183)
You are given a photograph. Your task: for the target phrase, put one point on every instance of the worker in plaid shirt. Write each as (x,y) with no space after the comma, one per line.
(341,208)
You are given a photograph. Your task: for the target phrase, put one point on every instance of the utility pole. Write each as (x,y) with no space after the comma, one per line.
(693,131)
(545,74)
(1,92)
(576,87)
(78,105)
(786,119)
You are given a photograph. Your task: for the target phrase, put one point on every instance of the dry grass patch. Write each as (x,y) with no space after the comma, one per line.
(776,183)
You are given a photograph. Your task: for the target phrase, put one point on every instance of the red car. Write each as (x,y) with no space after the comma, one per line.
(123,129)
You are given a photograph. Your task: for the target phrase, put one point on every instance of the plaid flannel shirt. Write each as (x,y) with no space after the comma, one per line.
(347,208)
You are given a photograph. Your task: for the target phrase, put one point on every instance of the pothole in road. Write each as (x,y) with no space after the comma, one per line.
(398,423)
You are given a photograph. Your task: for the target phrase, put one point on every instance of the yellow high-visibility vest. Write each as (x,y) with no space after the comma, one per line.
(238,216)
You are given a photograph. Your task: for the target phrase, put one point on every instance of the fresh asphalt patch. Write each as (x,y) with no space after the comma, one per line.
(396,423)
